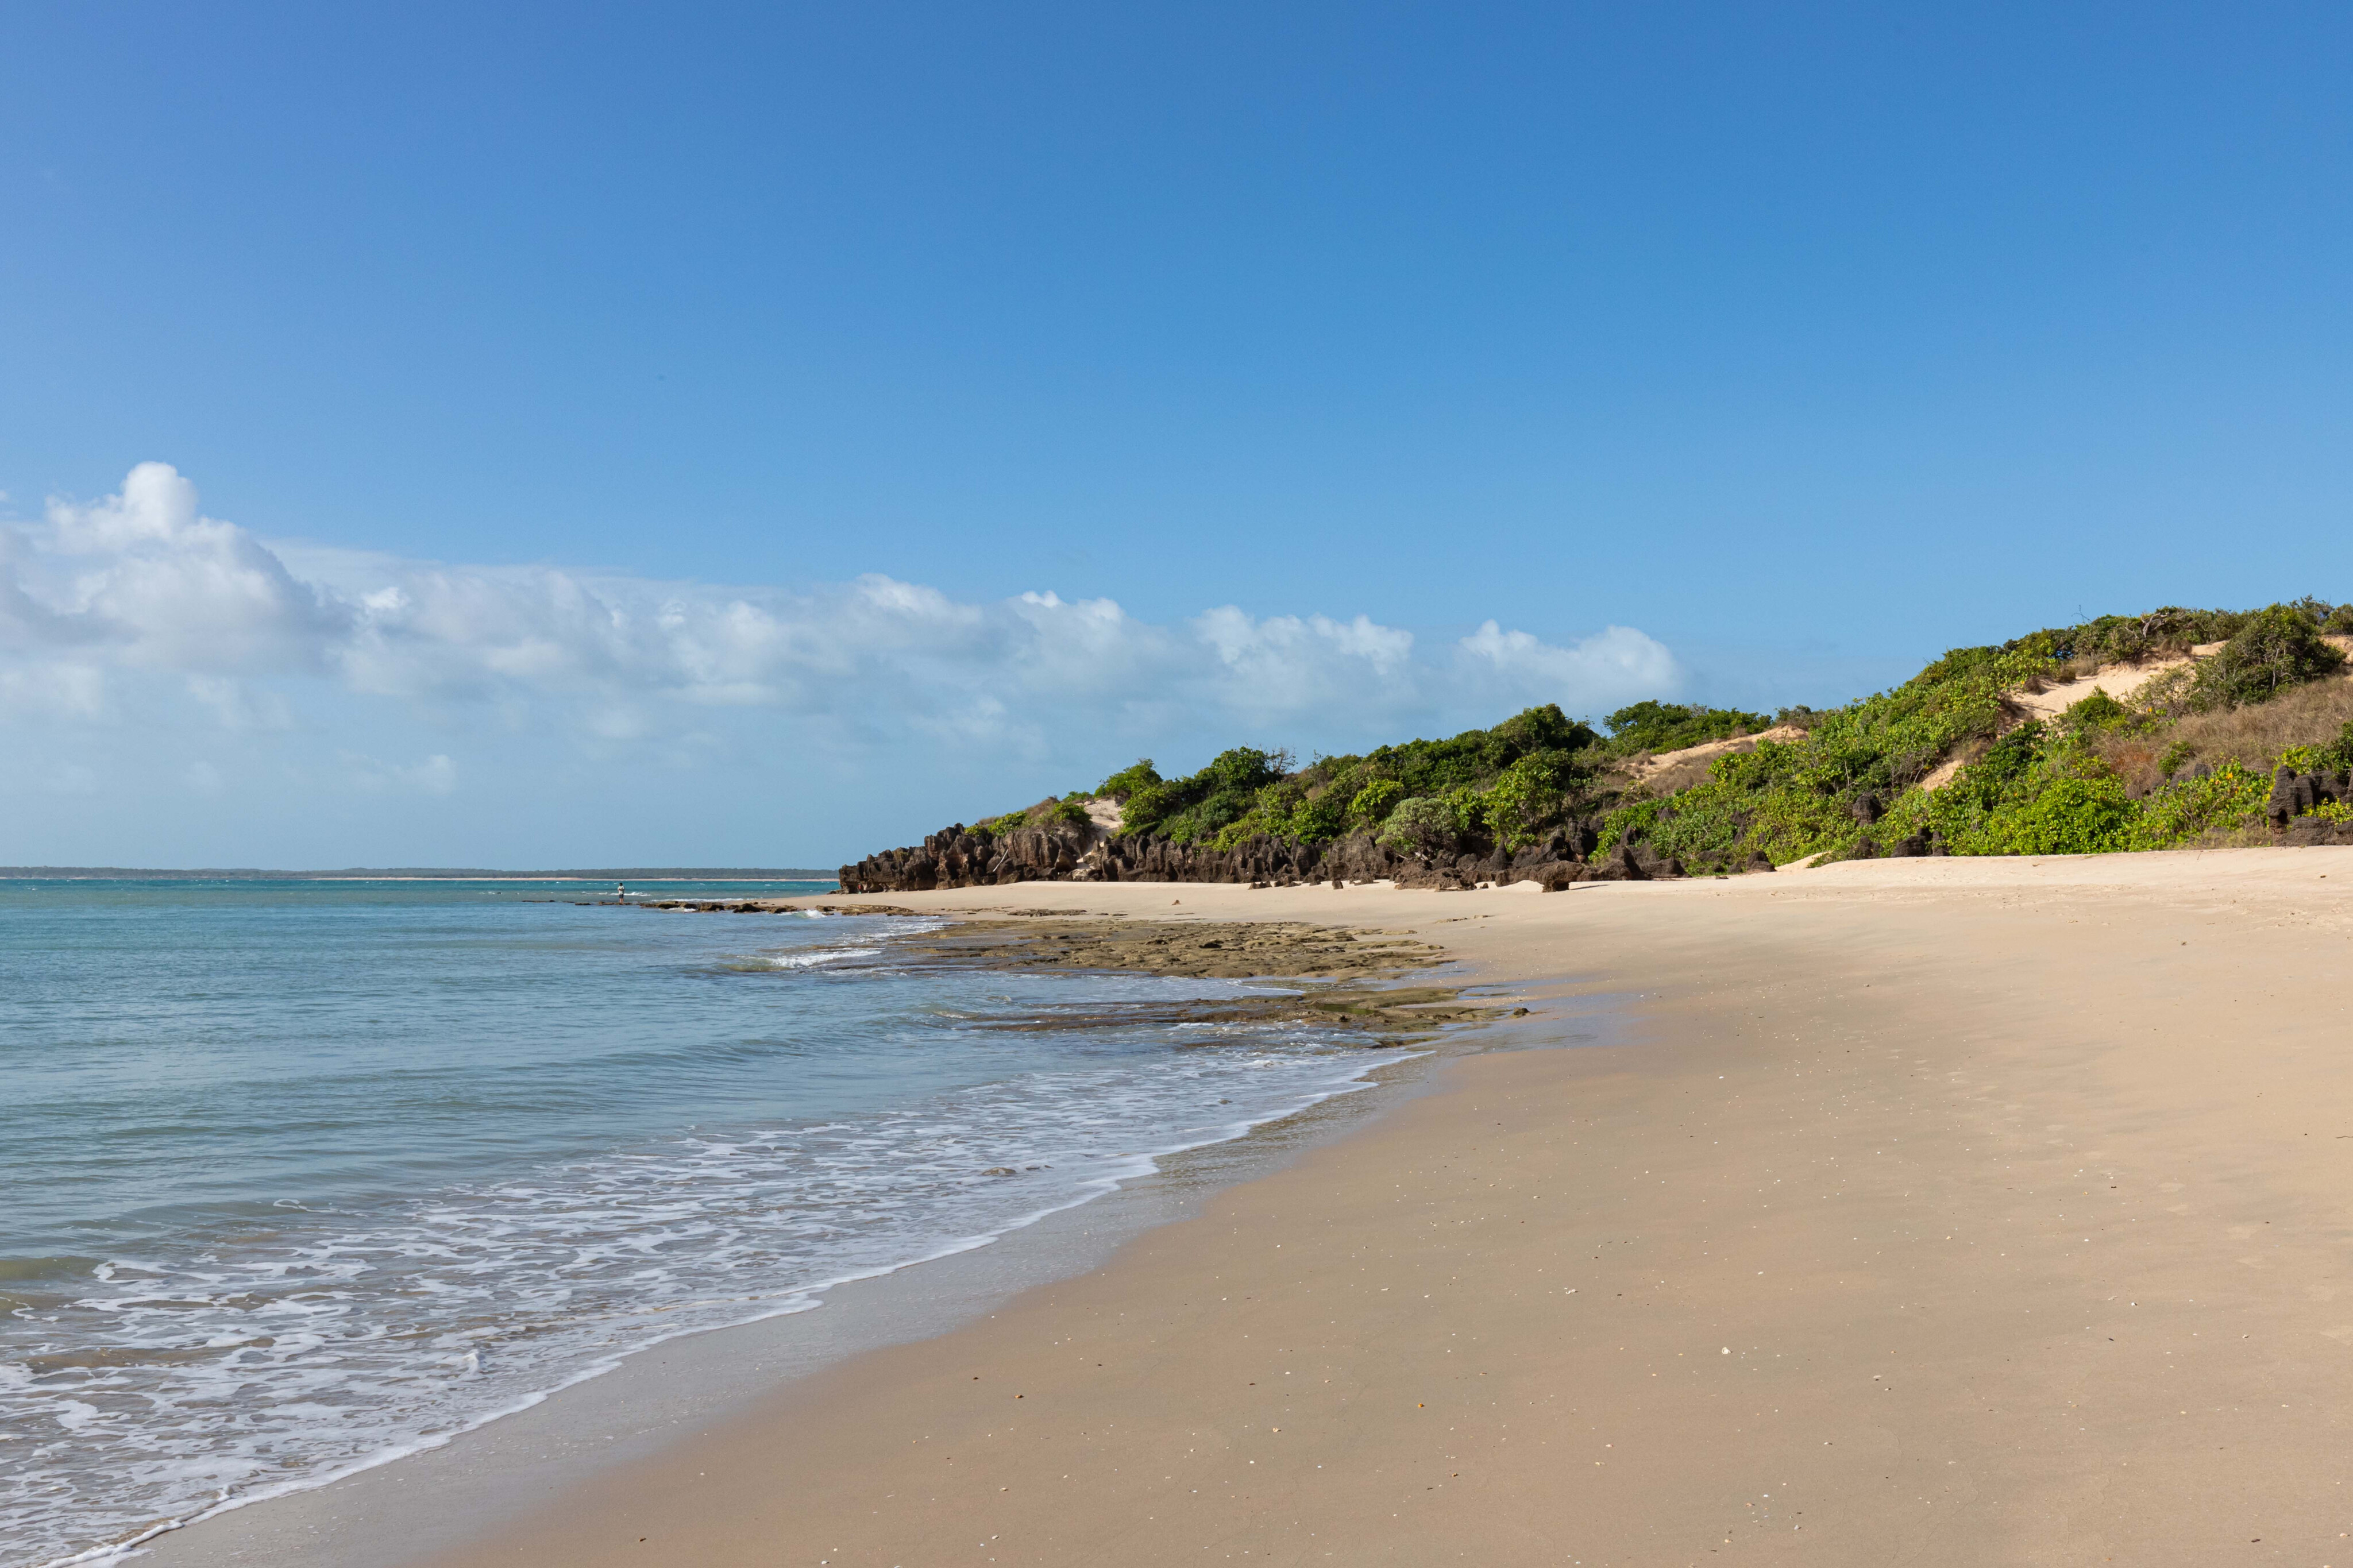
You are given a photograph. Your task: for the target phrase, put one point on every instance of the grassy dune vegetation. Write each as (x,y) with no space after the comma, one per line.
(1950,761)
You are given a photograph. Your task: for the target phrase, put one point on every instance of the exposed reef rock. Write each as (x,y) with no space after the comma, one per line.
(1196,949)
(1339,978)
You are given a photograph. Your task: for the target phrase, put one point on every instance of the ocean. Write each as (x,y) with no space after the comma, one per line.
(301,1175)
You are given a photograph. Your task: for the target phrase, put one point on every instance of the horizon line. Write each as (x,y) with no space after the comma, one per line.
(431,873)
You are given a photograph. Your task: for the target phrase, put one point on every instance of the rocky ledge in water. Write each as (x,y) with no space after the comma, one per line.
(1340,973)
(753,907)
(1344,973)
(1222,950)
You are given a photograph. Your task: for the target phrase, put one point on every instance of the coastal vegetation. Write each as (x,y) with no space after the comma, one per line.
(1977,754)
(2170,767)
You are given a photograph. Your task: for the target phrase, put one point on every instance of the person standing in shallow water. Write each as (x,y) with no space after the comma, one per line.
(620,889)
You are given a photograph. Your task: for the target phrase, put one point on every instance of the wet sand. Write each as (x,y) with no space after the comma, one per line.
(1934,1212)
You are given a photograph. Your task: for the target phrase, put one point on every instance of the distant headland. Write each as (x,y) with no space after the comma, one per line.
(2175,729)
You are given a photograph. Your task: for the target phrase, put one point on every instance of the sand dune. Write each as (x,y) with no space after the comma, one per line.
(1679,769)
(2121,681)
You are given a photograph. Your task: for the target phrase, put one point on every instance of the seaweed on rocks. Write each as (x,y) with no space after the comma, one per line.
(1343,977)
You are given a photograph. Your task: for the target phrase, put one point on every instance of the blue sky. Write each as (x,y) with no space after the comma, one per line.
(634,432)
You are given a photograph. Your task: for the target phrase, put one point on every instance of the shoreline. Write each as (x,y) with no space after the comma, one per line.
(396,874)
(1871,1305)
(376,1514)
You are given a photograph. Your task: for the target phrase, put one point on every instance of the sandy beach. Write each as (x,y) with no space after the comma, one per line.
(1936,1211)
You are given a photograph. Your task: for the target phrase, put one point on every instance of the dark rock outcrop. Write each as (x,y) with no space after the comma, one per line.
(956,857)
(2294,794)
(1919,846)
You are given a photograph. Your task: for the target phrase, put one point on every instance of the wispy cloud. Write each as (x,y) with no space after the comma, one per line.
(140,588)
(435,774)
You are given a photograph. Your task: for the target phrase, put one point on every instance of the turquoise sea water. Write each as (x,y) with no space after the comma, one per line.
(303,1174)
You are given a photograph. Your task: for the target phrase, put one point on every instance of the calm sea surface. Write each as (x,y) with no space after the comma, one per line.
(301,1174)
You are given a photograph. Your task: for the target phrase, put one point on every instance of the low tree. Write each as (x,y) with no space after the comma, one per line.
(1422,827)
(2279,646)
(1373,803)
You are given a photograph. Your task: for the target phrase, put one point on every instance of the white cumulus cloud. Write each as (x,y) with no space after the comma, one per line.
(140,590)
(142,576)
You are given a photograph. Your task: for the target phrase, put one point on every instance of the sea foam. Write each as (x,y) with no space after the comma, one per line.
(231,1350)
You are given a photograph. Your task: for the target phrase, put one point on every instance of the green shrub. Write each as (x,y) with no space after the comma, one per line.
(1375,802)
(1246,791)
(1147,806)
(1236,831)
(1246,768)
(2328,617)
(1788,801)
(1421,826)
(1320,818)
(1475,756)
(1701,827)
(2228,798)
(2324,757)
(1275,811)
(2068,816)
(1533,730)
(1670,727)
(2098,711)
(2277,648)
(2117,639)
(1526,798)
(1634,820)
(1129,780)
(1469,805)
(1204,805)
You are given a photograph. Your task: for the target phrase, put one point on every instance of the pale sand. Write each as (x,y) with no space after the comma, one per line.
(1938,1212)
(1689,764)
(2121,681)
(2124,681)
